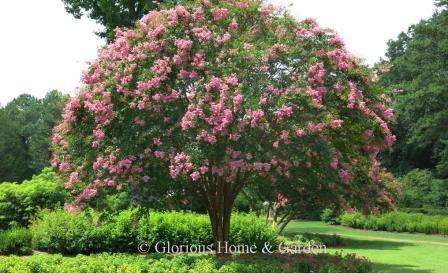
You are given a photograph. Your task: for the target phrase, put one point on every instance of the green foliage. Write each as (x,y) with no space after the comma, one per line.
(252,230)
(418,62)
(20,202)
(181,228)
(398,221)
(89,231)
(315,239)
(111,14)
(15,241)
(26,124)
(330,216)
(119,263)
(66,233)
(420,189)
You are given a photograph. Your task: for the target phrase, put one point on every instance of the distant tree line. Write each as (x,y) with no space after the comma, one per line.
(417,70)
(26,124)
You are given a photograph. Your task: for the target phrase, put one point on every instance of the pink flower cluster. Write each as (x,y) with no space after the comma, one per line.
(220,13)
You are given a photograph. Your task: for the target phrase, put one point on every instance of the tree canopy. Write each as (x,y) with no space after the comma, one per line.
(112,13)
(26,124)
(418,71)
(219,95)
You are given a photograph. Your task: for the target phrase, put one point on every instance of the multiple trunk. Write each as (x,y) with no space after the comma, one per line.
(219,196)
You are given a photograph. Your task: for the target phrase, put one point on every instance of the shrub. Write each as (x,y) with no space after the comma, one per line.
(66,233)
(315,239)
(114,263)
(89,232)
(180,228)
(398,221)
(20,202)
(330,216)
(251,230)
(420,190)
(15,241)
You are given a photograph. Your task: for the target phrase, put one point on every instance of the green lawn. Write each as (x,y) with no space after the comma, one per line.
(390,252)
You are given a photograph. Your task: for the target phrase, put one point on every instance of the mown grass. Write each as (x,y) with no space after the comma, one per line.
(390,252)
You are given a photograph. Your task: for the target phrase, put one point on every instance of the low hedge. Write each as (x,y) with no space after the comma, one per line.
(397,221)
(15,241)
(120,263)
(20,202)
(89,232)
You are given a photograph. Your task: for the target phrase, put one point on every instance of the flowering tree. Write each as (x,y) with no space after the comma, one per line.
(221,94)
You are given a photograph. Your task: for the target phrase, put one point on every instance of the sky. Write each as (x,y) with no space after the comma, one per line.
(43,48)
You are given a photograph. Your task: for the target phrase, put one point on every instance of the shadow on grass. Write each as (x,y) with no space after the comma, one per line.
(398,268)
(371,244)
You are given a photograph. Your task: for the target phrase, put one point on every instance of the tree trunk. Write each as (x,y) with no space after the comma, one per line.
(285,221)
(220,198)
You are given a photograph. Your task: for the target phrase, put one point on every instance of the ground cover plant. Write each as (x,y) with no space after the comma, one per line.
(112,263)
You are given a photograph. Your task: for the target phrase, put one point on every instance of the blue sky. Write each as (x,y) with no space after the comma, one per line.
(44,48)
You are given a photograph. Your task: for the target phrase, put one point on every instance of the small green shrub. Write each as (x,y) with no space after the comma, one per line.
(251,230)
(61,232)
(15,241)
(315,239)
(398,221)
(180,228)
(330,216)
(20,202)
(120,263)
(90,232)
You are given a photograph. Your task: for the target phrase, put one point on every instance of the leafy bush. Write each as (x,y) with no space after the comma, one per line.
(251,230)
(398,221)
(330,216)
(314,239)
(89,232)
(20,202)
(421,190)
(427,211)
(66,233)
(115,263)
(15,241)
(180,228)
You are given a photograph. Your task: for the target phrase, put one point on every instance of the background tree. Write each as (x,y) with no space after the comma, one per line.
(112,13)
(418,62)
(26,124)
(218,95)
(417,68)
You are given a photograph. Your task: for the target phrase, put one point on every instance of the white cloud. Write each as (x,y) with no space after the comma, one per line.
(44,48)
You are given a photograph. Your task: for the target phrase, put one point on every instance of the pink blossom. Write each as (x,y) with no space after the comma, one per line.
(336,123)
(157,141)
(159,154)
(345,176)
(285,136)
(203,169)
(233,26)
(334,163)
(247,46)
(232,80)
(73,177)
(195,175)
(220,13)
(63,167)
(237,100)
(242,5)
